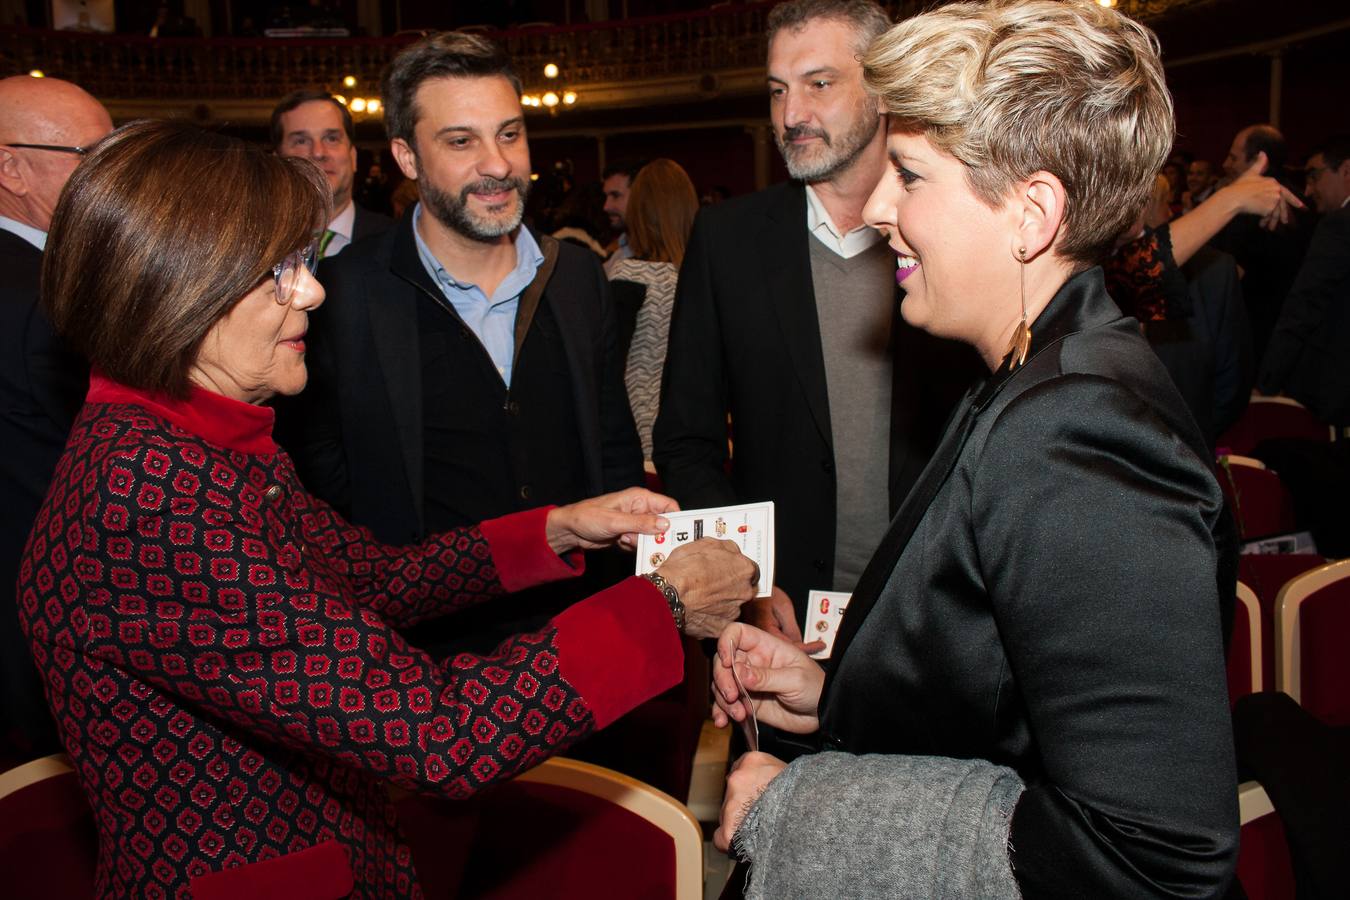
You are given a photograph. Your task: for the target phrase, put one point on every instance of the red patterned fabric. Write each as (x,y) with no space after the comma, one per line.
(222,655)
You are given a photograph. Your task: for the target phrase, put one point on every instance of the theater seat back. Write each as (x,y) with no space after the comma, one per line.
(48,842)
(1312,633)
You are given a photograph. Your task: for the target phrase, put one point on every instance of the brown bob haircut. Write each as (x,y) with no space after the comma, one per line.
(160,231)
(662,204)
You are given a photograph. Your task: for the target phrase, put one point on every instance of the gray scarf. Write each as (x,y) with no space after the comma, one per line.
(837,825)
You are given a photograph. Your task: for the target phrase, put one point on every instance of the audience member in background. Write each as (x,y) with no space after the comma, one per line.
(403,196)
(581,219)
(1027,695)
(46,126)
(314,126)
(715,194)
(464,367)
(1190,310)
(1309,356)
(220,646)
(1268,257)
(1200,184)
(618,180)
(661,209)
(1175,173)
(373,192)
(786,319)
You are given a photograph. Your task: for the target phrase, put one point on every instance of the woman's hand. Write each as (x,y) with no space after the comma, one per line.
(713,579)
(749,778)
(783,682)
(602,521)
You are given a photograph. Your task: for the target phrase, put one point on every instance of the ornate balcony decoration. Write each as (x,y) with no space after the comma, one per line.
(708,53)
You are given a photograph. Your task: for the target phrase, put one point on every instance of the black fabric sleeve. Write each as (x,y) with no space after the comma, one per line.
(689,439)
(1094,534)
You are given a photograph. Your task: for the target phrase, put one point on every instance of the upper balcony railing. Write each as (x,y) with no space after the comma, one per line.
(134,67)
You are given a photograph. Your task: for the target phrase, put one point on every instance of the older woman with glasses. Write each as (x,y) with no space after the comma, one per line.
(221,651)
(1027,693)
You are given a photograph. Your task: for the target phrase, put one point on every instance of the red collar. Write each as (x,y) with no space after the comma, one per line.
(227,423)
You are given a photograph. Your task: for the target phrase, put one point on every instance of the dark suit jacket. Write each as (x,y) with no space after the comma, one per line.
(1049,599)
(367,222)
(42,385)
(745,339)
(356,431)
(1308,354)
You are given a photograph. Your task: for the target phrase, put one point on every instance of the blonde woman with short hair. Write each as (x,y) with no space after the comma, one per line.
(1027,692)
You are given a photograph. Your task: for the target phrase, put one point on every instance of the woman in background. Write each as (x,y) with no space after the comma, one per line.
(661,207)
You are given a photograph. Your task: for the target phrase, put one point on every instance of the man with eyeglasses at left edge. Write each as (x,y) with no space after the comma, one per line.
(45,127)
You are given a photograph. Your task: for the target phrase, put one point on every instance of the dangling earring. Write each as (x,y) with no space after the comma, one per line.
(1021,339)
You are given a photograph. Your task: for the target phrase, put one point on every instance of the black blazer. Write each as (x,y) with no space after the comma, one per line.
(1049,599)
(366,222)
(42,386)
(1308,353)
(745,339)
(356,430)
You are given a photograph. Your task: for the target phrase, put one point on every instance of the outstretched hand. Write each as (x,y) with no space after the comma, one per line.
(1252,192)
(608,519)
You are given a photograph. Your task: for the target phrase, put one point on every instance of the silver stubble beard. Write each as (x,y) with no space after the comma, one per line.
(823,163)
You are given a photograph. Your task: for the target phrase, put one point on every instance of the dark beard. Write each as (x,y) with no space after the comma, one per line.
(453,211)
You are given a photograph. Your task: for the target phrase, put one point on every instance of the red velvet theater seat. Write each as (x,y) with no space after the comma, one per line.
(48,844)
(1273,417)
(1260,502)
(566,830)
(1312,633)
(1264,867)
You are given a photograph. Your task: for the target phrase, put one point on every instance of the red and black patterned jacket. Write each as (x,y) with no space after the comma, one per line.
(222,654)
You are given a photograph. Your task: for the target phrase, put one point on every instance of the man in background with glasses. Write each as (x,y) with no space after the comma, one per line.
(45,127)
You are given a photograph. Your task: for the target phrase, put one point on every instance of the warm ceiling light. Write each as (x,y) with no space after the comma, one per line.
(349,81)
(550,71)
(372,105)
(550,99)
(534,176)
(38,73)
(358,105)
(569,97)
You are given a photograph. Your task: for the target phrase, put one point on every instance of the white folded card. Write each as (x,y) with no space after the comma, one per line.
(750,525)
(824,609)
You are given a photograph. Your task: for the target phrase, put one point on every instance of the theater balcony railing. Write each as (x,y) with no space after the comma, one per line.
(689,56)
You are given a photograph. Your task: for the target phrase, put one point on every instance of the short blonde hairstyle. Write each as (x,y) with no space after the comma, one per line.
(1013,87)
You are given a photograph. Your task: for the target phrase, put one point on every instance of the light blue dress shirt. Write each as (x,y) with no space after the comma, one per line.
(492,319)
(30,234)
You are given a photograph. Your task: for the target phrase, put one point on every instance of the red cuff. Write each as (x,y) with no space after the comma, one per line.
(619,648)
(521,553)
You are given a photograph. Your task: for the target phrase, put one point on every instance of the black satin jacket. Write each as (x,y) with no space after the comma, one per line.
(1049,599)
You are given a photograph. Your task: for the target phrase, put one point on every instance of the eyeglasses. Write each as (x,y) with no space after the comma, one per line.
(55,148)
(287,272)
